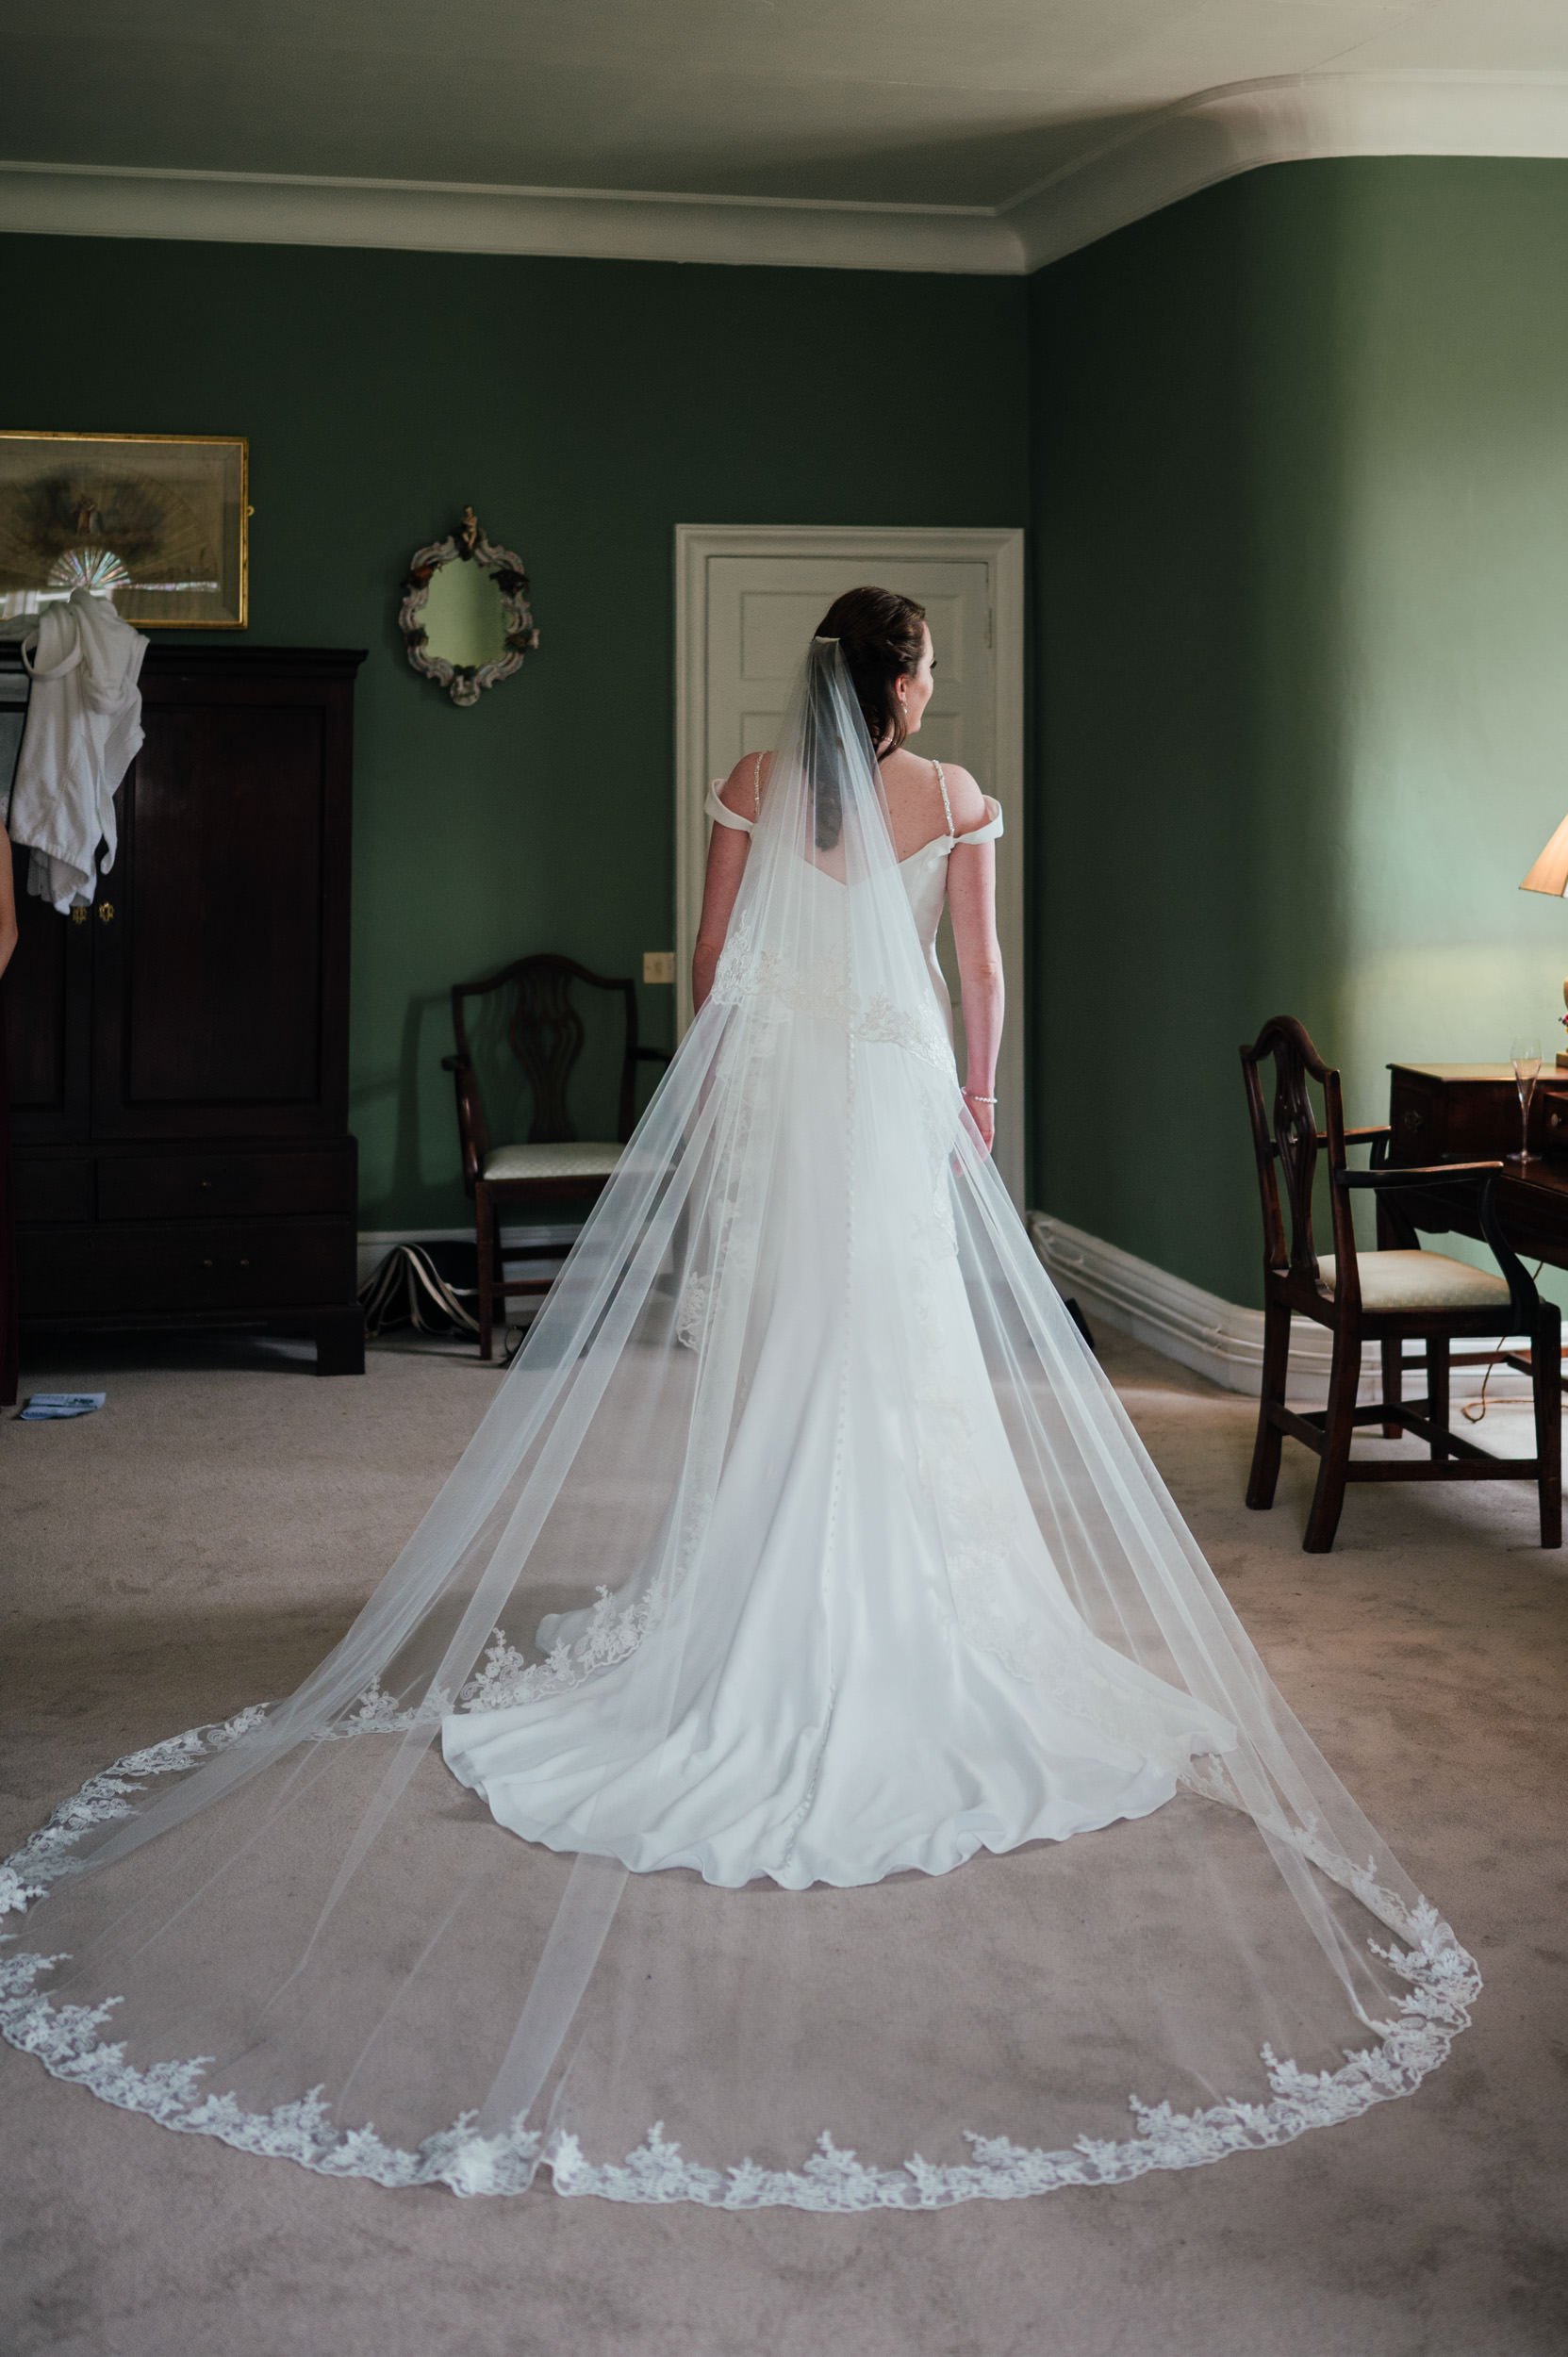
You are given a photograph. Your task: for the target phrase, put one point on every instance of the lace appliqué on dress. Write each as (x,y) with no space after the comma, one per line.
(613,1631)
(822,989)
(507,1677)
(730,1247)
(1442,1983)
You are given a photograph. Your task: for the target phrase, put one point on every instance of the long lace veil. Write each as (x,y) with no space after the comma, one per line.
(802,1446)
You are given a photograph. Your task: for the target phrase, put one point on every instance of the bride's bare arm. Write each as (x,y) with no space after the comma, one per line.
(972,900)
(727,850)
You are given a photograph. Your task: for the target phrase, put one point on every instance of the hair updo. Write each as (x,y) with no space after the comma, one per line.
(880,637)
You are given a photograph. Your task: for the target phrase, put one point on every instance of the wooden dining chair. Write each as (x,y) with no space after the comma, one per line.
(547,1034)
(1388,1296)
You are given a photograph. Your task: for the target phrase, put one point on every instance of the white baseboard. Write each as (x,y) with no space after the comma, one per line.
(375,1243)
(1213,1337)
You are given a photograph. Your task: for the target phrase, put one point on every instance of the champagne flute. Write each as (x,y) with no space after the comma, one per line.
(1525,1057)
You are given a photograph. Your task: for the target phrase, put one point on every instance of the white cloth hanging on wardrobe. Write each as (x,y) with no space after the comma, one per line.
(83,731)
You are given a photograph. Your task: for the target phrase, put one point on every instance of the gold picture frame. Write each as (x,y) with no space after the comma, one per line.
(160,522)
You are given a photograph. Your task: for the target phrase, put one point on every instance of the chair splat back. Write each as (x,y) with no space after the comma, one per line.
(1288,1140)
(546,1033)
(545,1030)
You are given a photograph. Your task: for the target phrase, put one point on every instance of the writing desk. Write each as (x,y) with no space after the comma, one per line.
(1460,1113)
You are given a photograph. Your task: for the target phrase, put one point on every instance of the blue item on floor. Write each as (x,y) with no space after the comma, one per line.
(45,1406)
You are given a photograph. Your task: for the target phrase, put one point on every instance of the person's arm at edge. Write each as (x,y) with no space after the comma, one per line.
(727,850)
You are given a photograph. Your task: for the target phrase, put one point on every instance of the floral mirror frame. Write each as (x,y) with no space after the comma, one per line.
(468,545)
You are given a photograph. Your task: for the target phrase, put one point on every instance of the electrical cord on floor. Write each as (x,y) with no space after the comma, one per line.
(1473,1410)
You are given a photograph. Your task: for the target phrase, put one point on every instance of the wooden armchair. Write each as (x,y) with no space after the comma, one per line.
(553,1164)
(1385,1297)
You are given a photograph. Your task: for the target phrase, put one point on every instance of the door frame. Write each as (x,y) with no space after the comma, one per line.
(1002,551)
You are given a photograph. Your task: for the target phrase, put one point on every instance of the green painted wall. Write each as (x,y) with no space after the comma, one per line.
(1296,457)
(585,408)
(1300,511)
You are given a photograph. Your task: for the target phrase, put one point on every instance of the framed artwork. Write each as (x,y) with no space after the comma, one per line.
(157,521)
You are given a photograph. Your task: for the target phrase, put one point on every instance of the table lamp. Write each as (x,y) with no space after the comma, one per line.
(1550,874)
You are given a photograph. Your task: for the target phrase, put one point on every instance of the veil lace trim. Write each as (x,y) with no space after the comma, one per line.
(1442,1983)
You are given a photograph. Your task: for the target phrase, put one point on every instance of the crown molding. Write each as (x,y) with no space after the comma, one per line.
(1153,161)
(1158,159)
(430,216)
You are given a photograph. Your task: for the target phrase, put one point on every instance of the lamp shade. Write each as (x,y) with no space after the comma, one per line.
(1551,872)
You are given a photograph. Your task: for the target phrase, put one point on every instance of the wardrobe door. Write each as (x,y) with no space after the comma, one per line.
(218,947)
(46,995)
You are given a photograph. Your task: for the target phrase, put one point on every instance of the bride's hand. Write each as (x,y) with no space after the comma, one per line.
(982,1122)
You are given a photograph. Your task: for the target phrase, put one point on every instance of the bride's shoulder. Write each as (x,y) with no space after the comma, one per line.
(742,789)
(970,808)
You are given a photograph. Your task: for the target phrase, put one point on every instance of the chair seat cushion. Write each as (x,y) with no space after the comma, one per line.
(1421,1280)
(571,1157)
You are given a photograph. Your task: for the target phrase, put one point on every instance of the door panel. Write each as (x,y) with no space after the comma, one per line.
(762,611)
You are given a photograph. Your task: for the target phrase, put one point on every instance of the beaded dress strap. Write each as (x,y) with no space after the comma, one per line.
(947,806)
(721,811)
(988,830)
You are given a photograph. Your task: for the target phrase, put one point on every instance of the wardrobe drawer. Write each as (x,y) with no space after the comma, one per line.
(52,1186)
(233,1264)
(223,1185)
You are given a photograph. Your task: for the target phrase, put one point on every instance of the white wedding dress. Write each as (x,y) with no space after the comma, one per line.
(897,1686)
(873,1800)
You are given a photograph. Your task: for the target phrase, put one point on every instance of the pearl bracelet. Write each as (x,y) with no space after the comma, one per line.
(976,1100)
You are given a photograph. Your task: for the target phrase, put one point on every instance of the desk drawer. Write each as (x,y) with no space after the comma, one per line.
(1466,1120)
(1550,1120)
(238,1264)
(1435,1121)
(224,1185)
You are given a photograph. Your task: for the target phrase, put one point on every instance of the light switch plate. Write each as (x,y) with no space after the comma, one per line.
(658,965)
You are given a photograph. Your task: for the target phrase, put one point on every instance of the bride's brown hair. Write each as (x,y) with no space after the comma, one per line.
(880,637)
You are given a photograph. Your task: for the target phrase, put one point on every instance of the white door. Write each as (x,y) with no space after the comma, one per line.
(748,602)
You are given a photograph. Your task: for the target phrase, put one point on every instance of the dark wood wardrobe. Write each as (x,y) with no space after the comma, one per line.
(179,1051)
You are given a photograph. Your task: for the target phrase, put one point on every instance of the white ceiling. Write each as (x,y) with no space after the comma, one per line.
(982,115)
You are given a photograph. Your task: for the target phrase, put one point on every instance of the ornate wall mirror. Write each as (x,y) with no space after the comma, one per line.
(466,613)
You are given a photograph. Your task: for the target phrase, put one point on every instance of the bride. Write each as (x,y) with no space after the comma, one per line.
(801,1756)
(852,1711)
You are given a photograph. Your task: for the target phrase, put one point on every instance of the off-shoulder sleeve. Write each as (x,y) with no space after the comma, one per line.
(992,828)
(721,811)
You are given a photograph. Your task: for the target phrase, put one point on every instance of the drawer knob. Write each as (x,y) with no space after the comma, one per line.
(1411,1119)
(244,1264)
(205,1184)
(106,912)
(207,1264)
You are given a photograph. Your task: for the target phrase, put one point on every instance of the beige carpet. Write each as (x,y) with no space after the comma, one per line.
(195,1547)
